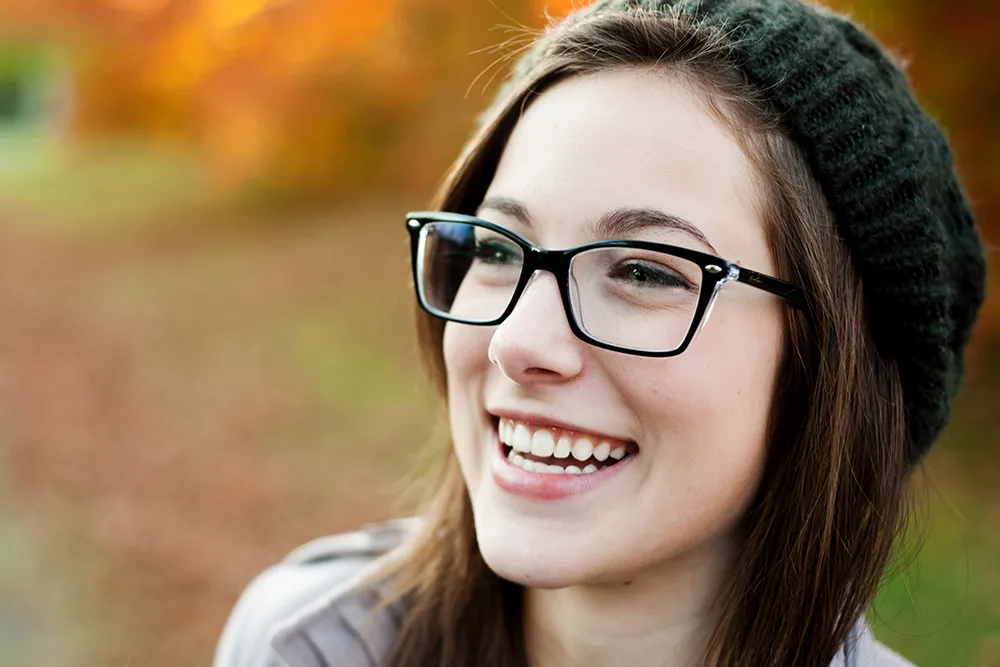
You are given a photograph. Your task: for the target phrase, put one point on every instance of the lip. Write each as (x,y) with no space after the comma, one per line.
(541,486)
(539,420)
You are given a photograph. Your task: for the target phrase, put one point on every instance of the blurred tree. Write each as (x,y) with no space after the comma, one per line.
(327,98)
(24,69)
(310,97)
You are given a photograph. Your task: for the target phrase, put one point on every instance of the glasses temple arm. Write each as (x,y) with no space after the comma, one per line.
(787,291)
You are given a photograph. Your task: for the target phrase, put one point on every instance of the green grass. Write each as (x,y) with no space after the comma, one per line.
(19,634)
(39,624)
(943,608)
(346,371)
(96,188)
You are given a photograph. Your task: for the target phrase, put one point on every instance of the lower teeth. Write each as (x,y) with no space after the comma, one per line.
(545,468)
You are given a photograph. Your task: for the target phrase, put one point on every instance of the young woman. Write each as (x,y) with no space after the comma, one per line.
(696,297)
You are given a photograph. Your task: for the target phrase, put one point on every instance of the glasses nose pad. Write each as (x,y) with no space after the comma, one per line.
(711,305)
(532,279)
(574,298)
(526,295)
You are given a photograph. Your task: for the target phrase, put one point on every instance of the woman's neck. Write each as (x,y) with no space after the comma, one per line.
(660,617)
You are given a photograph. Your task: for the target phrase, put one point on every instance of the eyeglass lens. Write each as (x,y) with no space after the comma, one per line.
(628,297)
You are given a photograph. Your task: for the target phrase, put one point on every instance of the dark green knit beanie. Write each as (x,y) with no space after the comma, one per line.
(886,171)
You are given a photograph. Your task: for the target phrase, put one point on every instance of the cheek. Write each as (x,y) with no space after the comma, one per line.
(465,351)
(706,413)
(716,397)
(467,367)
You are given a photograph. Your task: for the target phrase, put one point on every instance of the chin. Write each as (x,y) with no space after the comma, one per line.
(527,569)
(531,555)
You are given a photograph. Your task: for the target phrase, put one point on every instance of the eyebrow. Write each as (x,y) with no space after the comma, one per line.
(617,223)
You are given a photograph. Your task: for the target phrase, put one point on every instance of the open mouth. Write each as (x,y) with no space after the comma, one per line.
(555,451)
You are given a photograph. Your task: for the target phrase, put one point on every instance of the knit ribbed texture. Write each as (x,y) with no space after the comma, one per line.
(886,171)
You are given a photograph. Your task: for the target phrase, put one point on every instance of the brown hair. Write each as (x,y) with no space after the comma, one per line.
(821,528)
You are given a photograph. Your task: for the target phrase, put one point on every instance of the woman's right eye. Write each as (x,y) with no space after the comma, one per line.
(496,251)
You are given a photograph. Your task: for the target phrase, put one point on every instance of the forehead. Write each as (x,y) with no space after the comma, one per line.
(628,138)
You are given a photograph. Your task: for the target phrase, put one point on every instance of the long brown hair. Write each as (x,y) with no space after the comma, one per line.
(818,534)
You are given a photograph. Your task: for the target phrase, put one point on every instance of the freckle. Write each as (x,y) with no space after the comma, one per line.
(627,583)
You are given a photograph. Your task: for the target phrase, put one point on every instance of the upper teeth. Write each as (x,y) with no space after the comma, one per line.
(543,443)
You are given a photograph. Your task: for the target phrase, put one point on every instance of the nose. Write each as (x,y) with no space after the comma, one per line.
(535,344)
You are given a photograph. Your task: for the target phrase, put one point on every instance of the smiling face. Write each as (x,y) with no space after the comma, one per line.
(692,427)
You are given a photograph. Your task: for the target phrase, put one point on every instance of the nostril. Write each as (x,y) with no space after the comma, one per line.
(540,372)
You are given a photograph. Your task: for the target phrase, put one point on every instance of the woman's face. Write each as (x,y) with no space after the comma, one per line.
(693,426)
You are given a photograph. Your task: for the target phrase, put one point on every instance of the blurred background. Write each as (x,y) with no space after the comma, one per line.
(205,346)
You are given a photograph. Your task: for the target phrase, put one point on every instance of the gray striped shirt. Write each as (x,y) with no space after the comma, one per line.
(309,611)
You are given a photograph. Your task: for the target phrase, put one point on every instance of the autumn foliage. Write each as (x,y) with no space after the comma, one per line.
(329,98)
(318,97)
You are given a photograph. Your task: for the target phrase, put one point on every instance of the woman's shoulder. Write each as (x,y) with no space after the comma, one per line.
(863,650)
(309,606)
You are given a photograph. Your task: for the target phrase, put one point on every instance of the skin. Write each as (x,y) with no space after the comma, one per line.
(626,572)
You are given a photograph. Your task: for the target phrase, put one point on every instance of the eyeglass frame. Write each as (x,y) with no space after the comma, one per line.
(716,272)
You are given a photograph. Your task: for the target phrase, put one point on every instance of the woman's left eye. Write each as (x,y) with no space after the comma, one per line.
(649,274)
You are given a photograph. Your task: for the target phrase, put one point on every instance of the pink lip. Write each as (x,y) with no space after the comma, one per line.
(540,486)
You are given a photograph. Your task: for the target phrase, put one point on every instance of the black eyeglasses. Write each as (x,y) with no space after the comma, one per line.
(636,297)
